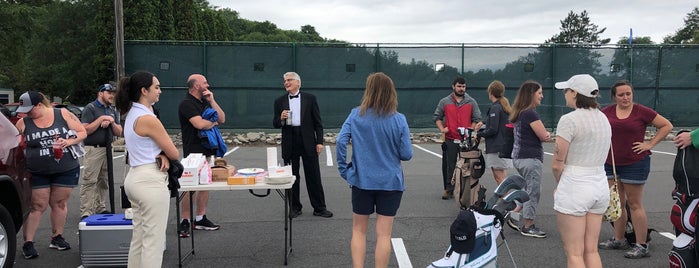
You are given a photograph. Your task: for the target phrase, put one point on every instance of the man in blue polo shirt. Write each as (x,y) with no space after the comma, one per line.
(101,122)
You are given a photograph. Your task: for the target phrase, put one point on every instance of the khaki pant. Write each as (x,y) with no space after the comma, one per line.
(94,183)
(146,187)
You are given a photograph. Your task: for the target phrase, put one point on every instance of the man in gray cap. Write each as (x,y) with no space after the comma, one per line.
(101,122)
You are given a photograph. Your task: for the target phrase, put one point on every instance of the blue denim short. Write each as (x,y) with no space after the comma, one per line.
(64,179)
(386,203)
(636,173)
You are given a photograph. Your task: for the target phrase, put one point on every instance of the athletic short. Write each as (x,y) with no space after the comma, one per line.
(386,203)
(636,173)
(581,190)
(64,179)
(492,160)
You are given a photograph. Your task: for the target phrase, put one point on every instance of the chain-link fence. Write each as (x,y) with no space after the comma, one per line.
(247,77)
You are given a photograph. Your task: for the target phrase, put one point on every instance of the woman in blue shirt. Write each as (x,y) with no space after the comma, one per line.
(380,141)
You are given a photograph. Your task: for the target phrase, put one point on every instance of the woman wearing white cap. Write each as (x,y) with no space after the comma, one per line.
(581,196)
(632,158)
(47,133)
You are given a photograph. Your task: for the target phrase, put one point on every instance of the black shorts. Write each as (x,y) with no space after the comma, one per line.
(386,203)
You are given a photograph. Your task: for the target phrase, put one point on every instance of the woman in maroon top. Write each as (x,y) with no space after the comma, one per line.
(632,159)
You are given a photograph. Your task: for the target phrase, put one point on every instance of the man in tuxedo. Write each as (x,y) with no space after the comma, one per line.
(298,116)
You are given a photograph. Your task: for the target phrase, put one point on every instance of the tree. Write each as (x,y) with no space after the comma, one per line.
(141,20)
(644,40)
(577,29)
(17,25)
(689,34)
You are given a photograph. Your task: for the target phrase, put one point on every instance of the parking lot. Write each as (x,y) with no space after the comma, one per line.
(252,232)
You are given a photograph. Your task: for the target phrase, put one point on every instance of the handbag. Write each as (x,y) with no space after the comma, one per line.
(614,209)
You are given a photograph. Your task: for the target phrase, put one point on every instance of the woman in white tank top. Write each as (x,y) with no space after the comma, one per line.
(149,148)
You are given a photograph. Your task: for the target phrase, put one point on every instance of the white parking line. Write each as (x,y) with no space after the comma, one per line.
(428,151)
(659,152)
(401,254)
(328,156)
(668,235)
(232,150)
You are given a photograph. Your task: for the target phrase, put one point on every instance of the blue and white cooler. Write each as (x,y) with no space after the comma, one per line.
(105,240)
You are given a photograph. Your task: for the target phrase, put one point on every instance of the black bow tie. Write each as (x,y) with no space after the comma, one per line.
(293,96)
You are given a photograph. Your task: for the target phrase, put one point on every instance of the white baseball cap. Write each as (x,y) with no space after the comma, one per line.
(581,83)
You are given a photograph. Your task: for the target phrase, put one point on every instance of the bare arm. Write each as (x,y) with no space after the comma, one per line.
(687,138)
(664,127)
(149,126)
(74,124)
(103,121)
(560,153)
(200,123)
(540,130)
(208,95)
(441,126)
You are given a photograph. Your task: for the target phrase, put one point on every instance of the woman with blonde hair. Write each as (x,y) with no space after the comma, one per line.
(48,133)
(380,140)
(495,131)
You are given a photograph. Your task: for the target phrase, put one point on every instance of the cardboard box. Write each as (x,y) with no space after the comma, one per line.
(196,170)
(239,179)
(222,173)
(190,175)
(277,172)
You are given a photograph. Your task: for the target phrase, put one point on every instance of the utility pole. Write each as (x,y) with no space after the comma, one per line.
(119,39)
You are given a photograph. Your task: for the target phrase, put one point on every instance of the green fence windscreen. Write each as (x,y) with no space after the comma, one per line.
(247,77)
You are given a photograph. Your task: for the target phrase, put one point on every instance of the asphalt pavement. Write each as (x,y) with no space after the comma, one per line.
(252,228)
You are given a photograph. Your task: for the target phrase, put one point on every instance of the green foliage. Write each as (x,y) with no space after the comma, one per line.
(689,34)
(61,54)
(644,40)
(66,48)
(17,24)
(578,29)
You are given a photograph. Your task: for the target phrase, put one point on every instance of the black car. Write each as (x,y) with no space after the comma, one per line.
(76,110)
(15,191)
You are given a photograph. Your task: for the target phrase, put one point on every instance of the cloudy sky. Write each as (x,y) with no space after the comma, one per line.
(463,21)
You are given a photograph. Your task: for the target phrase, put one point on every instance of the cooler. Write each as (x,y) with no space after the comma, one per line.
(105,240)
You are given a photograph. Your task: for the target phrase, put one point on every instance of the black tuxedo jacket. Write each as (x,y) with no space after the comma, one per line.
(311,124)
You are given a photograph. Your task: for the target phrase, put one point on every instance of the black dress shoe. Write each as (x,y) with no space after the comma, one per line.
(325,213)
(106,212)
(295,213)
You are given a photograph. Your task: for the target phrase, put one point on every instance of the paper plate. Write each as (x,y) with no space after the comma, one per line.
(250,171)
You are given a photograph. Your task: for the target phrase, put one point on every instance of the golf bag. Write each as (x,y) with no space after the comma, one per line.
(473,235)
(469,168)
(683,216)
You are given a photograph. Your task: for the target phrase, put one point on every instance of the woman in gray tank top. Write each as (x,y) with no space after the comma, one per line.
(47,133)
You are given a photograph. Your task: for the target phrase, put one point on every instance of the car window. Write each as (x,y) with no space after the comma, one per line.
(7,129)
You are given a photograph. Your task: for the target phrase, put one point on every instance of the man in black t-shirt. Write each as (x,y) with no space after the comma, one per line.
(198,99)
